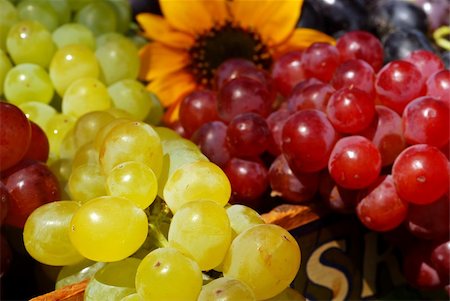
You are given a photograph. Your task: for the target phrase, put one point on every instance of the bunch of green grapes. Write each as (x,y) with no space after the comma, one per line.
(147,217)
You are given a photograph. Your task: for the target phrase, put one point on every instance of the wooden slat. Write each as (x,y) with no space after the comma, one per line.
(74,292)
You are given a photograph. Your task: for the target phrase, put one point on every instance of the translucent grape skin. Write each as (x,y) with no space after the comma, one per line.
(276,121)
(229,70)
(438,85)
(354,162)
(320,60)
(426,61)
(421,174)
(247,135)
(73,33)
(308,138)
(312,96)
(15,135)
(226,289)
(39,147)
(167,274)
(381,209)
(425,121)
(287,71)
(355,73)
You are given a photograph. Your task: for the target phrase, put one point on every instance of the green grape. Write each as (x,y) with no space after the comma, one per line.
(61,168)
(174,158)
(133,180)
(167,274)
(5,66)
(86,154)
(166,133)
(85,95)
(40,11)
(266,257)
(226,289)
(113,281)
(73,33)
(28,41)
(28,82)
(68,148)
(86,182)
(156,113)
(242,218)
(131,141)
(70,63)
(62,9)
(201,230)
(122,8)
(196,181)
(108,229)
(8,17)
(288,294)
(88,125)
(132,97)
(76,5)
(104,131)
(83,270)
(170,146)
(98,16)
(118,58)
(132,297)
(119,113)
(46,234)
(56,129)
(38,112)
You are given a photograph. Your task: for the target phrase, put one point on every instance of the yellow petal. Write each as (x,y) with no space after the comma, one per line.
(171,87)
(172,114)
(301,38)
(274,20)
(193,17)
(158,60)
(156,28)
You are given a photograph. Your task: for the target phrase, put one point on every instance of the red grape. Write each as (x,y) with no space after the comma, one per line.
(398,83)
(15,135)
(440,259)
(5,255)
(39,146)
(313,96)
(276,121)
(335,197)
(426,61)
(426,120)
(350,110)
(361,45)
(355,73)
(5,199)
(287,71)
(320,60)
(308,138)
(292,188)
(355,162)
(438,85)
(421,174)
(229,70)
(381,209)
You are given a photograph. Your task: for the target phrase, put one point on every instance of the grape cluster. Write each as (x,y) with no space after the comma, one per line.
(335,123)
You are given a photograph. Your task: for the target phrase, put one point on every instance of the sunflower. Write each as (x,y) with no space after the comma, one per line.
(193,37)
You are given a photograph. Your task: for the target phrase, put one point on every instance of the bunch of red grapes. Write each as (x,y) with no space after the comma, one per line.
(334,124)
(26,180)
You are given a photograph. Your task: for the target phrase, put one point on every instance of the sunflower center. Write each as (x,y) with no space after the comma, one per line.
(225,42)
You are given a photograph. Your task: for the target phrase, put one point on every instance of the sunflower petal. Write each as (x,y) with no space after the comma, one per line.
(158,60)
(274,20)
(171,87)
(156,28)
(193,17)
(171,115)
(301,38)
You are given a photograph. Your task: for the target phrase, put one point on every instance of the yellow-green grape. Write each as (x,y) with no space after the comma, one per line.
(68,148)
(76,5)
(131,141)
(242,218)
(61,168)
(201,229)
(46,234)
(85,95)
(266,257)
(167,274)
(26,82)
(38,112)
(166,133)
(177,153)
(8,17)
(86,182)
(288,294)
(74,273)
(108,229)
(70,63)
(107,37)
(87,154)
(62,9)
(56,129)
(196,181)
(156,113)
(5,66)
(28,41)
(104,131)
(132,297)
(73,33)
(226,289)
(98,16)
(113,281)
(122,8)
(133,180)
(88,125)
(119,113)
(40,11)
(118,59)
(132,97)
